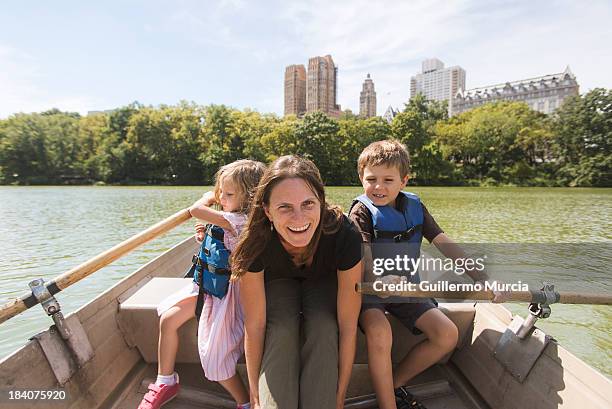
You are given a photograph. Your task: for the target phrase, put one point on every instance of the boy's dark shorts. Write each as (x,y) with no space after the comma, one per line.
(407,313)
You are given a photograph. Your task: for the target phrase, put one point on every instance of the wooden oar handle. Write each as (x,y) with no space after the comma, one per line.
(488,295)
(105,258)
(18,305)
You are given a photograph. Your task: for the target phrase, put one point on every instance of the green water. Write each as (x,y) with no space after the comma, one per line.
(45,231)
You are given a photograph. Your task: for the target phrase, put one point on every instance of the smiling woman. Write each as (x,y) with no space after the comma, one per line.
(298,262)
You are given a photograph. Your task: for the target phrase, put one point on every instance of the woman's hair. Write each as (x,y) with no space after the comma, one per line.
(245,174)
(258,233)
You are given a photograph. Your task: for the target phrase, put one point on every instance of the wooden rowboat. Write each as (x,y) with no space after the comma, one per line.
(111,357)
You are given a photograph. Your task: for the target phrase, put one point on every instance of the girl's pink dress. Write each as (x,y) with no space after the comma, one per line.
(221,326)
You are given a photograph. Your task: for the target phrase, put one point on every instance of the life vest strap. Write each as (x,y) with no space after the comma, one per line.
(214,233)
(209,267)
(398,236)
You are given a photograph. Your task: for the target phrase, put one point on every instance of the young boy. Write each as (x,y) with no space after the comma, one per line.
(382,212)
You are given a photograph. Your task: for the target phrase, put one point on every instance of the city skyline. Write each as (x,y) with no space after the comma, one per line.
(93,57)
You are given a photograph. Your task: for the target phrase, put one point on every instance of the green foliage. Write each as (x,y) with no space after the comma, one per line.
(502,143)
(583,126)
(415,128)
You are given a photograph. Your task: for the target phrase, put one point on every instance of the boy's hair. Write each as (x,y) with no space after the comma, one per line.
(389,152)
(245,174)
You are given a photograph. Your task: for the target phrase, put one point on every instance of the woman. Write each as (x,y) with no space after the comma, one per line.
(298,255)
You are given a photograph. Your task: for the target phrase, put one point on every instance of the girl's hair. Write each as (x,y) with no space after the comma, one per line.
(245,174)
(258,233)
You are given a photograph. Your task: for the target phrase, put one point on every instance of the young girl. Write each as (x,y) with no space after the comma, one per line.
(221,328)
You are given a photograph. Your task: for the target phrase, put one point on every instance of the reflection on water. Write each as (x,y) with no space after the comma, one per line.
(45,231)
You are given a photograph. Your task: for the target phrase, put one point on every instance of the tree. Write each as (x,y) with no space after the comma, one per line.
(355,136)
(220,145)
(414,127)
(485,143)
(583,125)
(317,139)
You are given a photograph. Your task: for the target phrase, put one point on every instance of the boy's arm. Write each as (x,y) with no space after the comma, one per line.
(447,246)
(452,250)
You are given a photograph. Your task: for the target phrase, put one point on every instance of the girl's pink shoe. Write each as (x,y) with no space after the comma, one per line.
(158,395)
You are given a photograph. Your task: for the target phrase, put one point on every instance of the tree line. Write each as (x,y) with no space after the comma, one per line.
(504,143)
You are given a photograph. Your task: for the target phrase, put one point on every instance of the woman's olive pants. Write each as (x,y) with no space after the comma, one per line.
(299,368)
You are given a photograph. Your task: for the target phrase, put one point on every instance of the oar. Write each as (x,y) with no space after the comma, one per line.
(536,296)
(27,300)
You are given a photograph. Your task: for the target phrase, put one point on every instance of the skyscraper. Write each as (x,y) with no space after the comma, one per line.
(367,99)
(295,90)
(438,83)
(321,86)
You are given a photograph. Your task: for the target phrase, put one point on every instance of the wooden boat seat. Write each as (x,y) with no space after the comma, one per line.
(139,323)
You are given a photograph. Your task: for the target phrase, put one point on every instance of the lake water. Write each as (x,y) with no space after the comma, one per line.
(45,231)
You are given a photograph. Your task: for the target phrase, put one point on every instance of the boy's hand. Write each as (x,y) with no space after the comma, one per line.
(391,279)
(200,230)
(498,296)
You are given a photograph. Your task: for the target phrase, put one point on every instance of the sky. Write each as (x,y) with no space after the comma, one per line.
(83,56)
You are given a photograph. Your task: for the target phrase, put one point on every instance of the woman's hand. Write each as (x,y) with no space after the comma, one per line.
(348,306)
(254,399)
(339,401)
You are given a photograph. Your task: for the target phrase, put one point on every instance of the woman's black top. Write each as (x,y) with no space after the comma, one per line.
(337,251)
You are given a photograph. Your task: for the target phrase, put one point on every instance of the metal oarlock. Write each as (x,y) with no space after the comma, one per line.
(521,344)
(72,349)
(538,310)
(51,306)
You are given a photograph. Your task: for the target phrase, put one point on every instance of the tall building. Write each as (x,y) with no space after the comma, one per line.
(438,83)
(295,90)
(321,86)
(544,94)
(367,99)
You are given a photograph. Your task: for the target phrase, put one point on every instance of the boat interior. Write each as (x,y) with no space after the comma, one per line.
(112,357)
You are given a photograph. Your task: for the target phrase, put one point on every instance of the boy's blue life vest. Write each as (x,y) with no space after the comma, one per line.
(396,232)
(210,269)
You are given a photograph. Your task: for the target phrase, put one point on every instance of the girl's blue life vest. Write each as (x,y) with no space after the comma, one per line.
(396,232)
(210,269)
